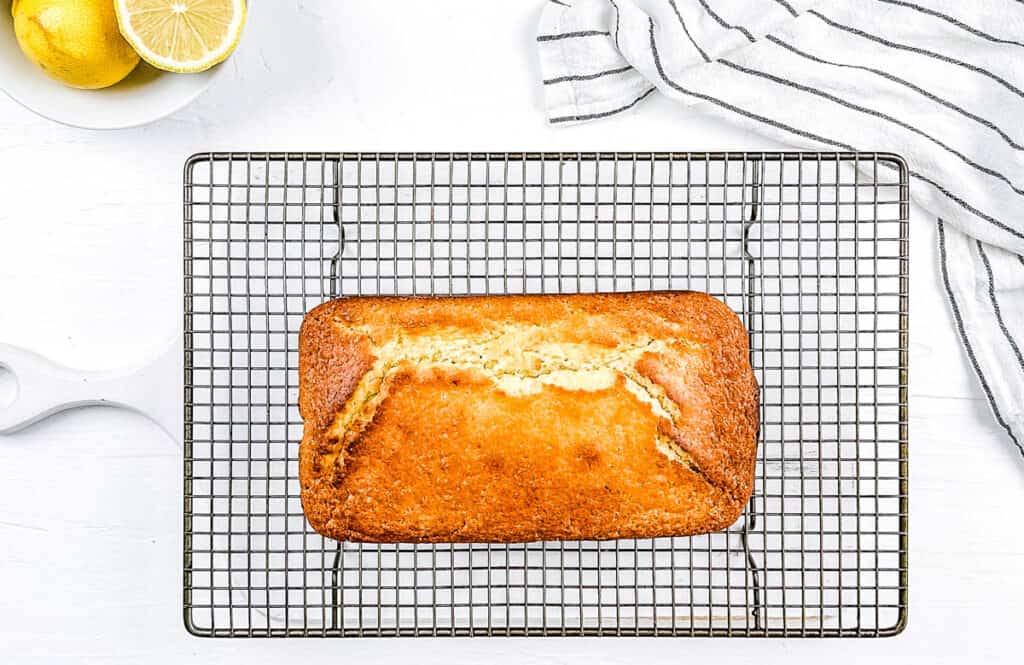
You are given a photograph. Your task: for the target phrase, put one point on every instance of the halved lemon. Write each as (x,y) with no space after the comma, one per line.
(182,35)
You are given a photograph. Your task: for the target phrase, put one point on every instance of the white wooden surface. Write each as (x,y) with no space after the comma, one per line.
(90,274)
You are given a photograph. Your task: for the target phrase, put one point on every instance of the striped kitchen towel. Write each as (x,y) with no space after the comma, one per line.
(940,82)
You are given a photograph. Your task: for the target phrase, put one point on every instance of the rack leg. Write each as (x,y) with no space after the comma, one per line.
(335,593)
(750,519)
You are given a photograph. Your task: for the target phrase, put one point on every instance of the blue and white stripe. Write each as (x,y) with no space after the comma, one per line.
(940,82)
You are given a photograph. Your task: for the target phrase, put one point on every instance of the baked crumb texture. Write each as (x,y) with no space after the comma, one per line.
(521,418)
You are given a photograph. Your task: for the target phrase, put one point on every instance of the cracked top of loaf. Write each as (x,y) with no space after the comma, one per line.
(520,418)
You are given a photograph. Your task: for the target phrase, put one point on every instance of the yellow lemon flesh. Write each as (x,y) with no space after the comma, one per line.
(182,35)
(76,42)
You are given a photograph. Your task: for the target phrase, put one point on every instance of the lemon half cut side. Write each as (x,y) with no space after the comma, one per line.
(182,35)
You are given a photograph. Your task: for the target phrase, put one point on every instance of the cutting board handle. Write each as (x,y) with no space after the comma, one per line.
(43,388)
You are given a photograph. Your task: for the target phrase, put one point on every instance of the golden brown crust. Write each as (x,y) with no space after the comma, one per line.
(518,418)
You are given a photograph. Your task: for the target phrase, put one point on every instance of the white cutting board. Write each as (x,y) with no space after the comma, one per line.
(43,388)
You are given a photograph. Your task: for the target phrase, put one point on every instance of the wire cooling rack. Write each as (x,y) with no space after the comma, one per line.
(810,249)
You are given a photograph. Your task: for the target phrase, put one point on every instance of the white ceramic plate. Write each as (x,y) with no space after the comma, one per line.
(147,94)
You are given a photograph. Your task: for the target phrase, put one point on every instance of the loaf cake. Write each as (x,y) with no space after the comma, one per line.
(522,418)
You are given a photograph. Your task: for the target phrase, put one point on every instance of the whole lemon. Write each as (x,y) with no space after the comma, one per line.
(76,42)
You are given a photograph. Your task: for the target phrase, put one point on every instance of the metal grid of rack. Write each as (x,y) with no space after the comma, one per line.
(810,249)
